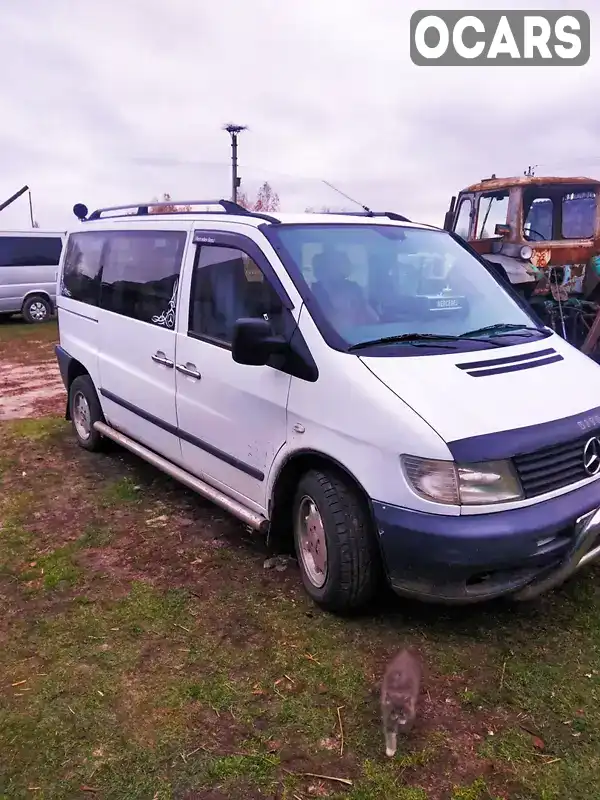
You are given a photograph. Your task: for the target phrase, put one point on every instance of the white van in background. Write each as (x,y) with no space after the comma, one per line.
(360,381)
(28,271)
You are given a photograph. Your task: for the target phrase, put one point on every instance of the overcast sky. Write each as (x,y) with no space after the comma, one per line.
(120,100)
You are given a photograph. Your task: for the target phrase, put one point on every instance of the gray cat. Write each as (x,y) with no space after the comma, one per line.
(399,694)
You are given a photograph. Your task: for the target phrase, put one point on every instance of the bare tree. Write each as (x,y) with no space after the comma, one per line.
(266,199)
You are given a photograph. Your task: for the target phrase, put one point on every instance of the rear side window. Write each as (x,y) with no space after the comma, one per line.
(30,251)
(80,278)
(140,274)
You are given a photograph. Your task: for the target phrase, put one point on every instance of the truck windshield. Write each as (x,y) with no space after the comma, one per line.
(374,282)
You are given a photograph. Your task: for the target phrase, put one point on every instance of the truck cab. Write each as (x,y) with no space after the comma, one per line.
(545,234)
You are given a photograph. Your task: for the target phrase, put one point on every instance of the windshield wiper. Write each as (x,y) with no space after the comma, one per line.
(504,329)
(419,339)
(416,339)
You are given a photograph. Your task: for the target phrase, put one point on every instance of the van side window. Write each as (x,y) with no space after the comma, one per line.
(80,278)
(140,275)
(30,251)
(228,285)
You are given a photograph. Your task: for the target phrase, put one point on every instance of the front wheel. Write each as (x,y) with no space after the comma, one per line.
(335,545)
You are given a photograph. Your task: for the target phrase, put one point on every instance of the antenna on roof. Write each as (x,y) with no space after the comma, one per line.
(335,189)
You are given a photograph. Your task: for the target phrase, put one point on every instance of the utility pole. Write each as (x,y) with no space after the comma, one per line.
(233,131)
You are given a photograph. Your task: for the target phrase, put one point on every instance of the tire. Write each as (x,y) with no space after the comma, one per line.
(85,410)
(350,578)
(36,309)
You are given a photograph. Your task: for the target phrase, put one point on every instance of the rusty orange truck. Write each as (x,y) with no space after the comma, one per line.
(544,232)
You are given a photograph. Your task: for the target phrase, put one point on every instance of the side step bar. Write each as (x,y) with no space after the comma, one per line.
(254,520)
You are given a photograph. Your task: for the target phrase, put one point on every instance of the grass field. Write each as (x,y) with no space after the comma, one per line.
(145,652)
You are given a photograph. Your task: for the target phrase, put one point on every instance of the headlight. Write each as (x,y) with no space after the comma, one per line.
(488,482)
(526,252)
(462,484)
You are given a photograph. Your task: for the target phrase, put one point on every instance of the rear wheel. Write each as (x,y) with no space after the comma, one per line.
(36,309)
(85,410)
(335,545)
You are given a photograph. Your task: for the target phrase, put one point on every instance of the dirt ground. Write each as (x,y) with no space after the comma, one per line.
(30,383)
(146,651)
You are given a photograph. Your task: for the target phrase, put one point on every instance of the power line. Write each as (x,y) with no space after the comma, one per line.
(562,165)
(589,160)
(161,161)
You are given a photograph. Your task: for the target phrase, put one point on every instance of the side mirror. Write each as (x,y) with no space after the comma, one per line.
(253,342)
(501,230)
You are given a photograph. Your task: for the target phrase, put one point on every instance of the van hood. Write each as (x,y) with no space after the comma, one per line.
(470,394)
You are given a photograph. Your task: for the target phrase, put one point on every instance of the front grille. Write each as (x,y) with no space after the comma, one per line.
(552,467)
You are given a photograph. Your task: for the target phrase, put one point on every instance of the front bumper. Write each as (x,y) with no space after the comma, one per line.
(466,559)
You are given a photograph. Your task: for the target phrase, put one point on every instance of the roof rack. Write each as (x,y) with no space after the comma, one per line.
(143,209)
(389,214)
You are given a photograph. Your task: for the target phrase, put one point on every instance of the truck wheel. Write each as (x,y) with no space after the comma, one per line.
(335,545)
(85,410)
(36,309)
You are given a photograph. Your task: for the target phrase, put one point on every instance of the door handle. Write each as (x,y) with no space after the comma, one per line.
(189,370)
(160,358)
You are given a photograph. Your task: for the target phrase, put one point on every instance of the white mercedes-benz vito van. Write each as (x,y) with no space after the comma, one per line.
(364,382)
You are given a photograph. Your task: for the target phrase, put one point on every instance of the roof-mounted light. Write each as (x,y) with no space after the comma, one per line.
(81,211)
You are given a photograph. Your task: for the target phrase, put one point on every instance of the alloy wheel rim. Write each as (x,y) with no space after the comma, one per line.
(38,311)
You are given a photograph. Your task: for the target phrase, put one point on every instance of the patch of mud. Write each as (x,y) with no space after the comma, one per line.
(27,389)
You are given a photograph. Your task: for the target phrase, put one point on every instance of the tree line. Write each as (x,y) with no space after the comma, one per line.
(266,200)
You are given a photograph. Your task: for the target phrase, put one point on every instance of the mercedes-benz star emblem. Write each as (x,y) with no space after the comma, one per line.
(591,456)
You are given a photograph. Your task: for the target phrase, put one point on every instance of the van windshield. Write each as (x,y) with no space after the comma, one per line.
(375,282)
